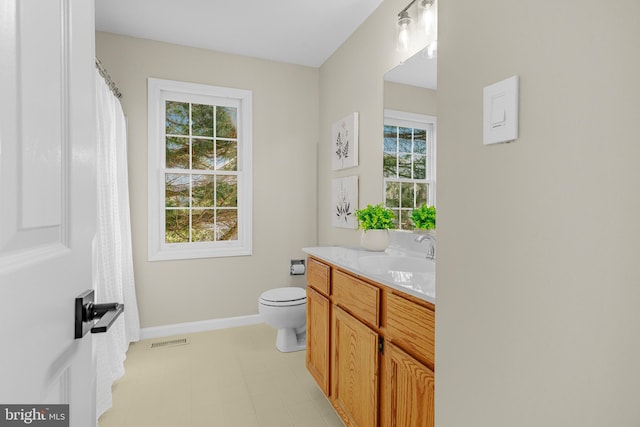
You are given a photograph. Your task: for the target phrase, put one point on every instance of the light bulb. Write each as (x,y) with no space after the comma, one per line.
(403,39)
(427,17)
(427,13)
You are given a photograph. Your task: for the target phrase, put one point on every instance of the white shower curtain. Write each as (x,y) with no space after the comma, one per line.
(113,260)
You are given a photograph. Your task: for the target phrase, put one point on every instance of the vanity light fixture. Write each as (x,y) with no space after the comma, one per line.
(413,35)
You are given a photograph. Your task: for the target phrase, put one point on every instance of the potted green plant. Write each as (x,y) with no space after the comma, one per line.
(375,222)
(424,219)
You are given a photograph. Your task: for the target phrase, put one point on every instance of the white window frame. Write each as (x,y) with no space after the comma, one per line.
(158,92)
(414,120)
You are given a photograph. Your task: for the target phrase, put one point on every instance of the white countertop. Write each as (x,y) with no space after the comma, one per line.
(420,284)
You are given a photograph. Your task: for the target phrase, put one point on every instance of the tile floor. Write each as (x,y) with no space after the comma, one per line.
(230,377)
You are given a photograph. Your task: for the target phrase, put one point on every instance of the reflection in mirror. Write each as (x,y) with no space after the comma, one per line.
(419,71)
(409,142)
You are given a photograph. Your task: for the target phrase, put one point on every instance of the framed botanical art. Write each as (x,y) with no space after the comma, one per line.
(344,198)
(344,146)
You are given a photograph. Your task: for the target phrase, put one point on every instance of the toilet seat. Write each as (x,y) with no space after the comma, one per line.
(284,297)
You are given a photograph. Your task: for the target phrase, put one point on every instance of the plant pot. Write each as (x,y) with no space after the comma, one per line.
(374,240)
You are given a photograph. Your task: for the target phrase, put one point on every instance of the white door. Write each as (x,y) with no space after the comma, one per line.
(47,202)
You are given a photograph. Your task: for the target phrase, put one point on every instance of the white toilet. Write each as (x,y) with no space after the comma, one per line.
(286,310)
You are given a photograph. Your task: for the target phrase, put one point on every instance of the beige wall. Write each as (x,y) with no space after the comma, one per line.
(285,130)
(410,99)
(538,273)
(538,277)
(352,80)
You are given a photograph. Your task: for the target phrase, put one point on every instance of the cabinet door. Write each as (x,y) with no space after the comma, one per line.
(354,370)
(408,390)
(318,324)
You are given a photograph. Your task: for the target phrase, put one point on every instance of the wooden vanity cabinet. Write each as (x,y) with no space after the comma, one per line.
(355,344)
(319,276)
(411,325)
(407,390)
(318,323)
(370,348)
(354,373)
(318,327)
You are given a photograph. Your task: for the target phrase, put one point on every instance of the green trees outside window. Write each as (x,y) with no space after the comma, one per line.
(406,168)
(201,183)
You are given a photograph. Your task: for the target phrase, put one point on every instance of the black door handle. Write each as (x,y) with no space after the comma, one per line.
(106,315)
(86,312)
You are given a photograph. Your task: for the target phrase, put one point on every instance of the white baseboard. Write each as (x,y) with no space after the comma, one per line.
(204,325)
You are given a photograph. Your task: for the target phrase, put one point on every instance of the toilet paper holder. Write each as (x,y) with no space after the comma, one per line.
(297,267)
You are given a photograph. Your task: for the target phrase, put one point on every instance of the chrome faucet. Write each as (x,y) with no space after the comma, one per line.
(431,252)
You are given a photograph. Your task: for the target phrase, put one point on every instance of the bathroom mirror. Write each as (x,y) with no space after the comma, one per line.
(409,144)
(419,71)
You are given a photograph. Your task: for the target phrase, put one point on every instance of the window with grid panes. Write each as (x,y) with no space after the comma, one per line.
(199,171)
(408,163)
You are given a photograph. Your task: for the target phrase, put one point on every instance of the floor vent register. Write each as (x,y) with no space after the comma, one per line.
(170,343)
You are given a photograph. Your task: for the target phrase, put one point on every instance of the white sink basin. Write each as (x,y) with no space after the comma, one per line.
(381,264)
(407,271)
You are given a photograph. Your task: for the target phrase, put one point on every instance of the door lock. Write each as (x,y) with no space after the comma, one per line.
(86,314)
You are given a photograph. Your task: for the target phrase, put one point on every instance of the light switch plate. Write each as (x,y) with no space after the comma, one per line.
(500,111)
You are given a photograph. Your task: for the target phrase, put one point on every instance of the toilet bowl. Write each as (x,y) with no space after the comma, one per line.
(285,309)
